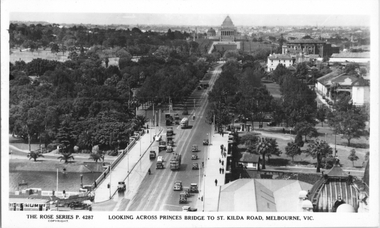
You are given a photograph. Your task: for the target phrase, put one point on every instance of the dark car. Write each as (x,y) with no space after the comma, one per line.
(78,206)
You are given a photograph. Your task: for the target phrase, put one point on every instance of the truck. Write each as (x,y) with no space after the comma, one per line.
(184,123)
(161,146)
(169,119)
(169,131)
(152,154)
(175,162)
(160,163)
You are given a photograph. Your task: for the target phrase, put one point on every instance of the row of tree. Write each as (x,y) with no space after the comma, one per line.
(84,102)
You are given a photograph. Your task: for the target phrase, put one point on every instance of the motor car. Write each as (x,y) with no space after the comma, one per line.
(177,186)
(169,149)
(121,186)
(194,148)
(78,206)
(152,154)
(205,142)
(182,197)
(193,187)
(195,166)
(194,157)
(189,209)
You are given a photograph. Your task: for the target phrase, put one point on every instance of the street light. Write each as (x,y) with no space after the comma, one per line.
(110,180)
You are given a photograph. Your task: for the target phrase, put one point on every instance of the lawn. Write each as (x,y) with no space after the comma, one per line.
(28,56)
(274,89)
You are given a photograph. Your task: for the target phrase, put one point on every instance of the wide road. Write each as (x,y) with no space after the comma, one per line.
(156,191)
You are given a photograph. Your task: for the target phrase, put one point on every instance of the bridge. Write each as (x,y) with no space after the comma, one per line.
(105,187)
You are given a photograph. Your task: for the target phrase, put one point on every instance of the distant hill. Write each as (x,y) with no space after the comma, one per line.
(30,22)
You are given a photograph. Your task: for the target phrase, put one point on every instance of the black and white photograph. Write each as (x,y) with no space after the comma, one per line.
(189,113)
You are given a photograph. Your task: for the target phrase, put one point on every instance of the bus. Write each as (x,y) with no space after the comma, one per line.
(184,123)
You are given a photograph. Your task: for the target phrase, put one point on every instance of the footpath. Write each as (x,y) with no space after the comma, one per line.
(213,176)
(127,165)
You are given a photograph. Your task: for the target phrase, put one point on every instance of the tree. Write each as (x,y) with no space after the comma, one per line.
(319,149)
(66,156)
(54,48)
(273,148)
(250,141)
(350,122)
(353,157)
(292,149)
(298,140)
(34,155)
(321,113)
(97,156)
(139,121)
(306,129)
(264,147)
(301,70)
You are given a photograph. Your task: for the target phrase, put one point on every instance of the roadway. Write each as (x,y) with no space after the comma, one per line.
(156,190)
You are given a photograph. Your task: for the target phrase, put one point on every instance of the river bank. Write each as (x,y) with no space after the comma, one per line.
(52,166)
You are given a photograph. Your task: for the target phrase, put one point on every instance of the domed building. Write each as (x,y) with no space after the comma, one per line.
(228,30)
(338,191)
(211,33)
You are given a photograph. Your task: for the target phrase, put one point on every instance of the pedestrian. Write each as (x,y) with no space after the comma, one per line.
(225,155)
(222,133)
(219,161)
(283,130)
(216,182)
(203,164)
(222,162)
(220,170)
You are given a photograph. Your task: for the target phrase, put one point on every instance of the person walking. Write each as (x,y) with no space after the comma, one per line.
(220,170)
(219,161)
(216,182)
(222,162)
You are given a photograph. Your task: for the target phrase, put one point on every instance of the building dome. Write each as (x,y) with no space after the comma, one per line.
(333,190)
(306,204)
(345,208)
(302,194)
(211,32)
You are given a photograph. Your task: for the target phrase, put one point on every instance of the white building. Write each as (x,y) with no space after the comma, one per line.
(360,92)
(275,59)
(357,87)
(350,57)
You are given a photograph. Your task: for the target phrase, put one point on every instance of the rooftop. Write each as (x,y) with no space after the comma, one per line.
(261,195)
(306,41)
(227,22)
(361,82)
(351,55)
(280,56)
(249,157)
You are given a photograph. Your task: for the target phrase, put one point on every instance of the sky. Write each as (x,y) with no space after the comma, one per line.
(196,12)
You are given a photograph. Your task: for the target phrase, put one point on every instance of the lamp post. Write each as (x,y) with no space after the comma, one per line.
(140,153)
(110,180)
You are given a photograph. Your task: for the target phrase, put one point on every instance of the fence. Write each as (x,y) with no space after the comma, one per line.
(103,176)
